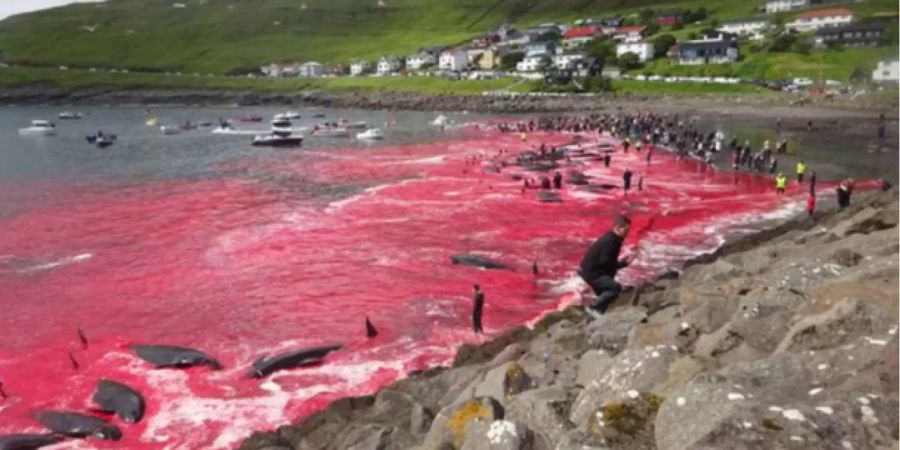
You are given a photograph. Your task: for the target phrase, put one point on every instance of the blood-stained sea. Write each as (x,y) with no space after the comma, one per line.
(248,260)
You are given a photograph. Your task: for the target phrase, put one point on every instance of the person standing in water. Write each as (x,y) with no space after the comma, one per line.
(606,160)
(477,309)
(811,204)
(626,181)
(780,183)
(601,263)
(801,170)
(557,180)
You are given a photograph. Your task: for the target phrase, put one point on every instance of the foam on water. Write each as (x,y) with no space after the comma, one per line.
(241,267)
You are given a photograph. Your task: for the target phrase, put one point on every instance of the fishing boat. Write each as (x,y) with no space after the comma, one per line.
(282,135)
(69,115)
(371,134)
(38,128)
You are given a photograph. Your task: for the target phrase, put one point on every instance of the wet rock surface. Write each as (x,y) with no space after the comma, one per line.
(787,339)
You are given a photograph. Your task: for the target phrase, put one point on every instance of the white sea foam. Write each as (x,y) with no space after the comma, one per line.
(58,263)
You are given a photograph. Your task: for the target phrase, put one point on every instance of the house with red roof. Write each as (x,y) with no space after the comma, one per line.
(821,18)
(633,33)
(576,36)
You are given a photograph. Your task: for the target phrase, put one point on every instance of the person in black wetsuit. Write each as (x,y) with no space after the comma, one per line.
(626,180)
(557,180)
(477,308)
(600,264)
(606,160)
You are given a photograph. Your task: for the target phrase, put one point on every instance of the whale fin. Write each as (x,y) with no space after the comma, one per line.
(2,391)
(370,329)
(73,361)
(82,338)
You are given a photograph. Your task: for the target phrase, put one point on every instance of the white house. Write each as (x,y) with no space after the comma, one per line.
(821,18)
(888,71)
(531,63)
(281,69)
(388,65)
(562,61)
(359,67)
(643,50)
(774,6)
(311,69)
(453,60)
(752,28)
(417,61)
(633,33)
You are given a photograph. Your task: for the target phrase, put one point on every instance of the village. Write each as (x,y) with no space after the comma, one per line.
(621,47)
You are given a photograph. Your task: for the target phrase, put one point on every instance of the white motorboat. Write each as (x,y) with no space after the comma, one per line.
(290,115)
(39,128)
(69,115)
(440,121)
(371,133)
(277,140)
(170,130)
(331,132)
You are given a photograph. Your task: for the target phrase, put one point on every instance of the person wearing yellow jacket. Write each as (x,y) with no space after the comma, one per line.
(780,183)
(801,170)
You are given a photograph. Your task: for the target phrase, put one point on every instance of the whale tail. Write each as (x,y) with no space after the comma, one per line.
(370,329)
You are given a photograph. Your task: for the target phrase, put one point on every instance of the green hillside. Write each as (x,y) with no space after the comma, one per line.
(216,36)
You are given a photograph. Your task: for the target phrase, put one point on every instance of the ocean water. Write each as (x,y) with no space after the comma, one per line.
(206,242)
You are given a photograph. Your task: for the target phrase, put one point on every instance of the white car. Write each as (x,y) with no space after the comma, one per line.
(802,82)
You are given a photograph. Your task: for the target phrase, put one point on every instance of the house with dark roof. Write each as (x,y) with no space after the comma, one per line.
(706,51)
(853,35)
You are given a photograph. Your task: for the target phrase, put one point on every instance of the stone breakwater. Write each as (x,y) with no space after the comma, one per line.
(786,339)
(751,104)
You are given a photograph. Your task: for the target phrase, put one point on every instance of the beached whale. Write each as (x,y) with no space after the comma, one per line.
(577,178)
(466,259)
(27,441)
(299,358)
(79,425)
(172,356)
(125,402)
(549,197)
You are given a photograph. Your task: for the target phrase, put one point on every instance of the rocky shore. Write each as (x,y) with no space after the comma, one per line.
(783,340)
(768,105)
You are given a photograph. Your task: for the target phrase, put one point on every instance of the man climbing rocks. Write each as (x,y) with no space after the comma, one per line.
(600,264)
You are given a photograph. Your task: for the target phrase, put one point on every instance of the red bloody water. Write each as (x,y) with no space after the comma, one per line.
(239,268)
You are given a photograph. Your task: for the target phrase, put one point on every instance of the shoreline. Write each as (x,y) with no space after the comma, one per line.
(740,105)
(485,382)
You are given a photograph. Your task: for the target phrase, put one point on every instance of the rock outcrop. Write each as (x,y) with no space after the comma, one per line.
(785,340)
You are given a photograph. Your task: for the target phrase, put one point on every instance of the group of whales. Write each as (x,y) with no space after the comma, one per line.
(112,397)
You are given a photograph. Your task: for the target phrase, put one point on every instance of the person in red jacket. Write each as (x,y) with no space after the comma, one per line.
(811,204)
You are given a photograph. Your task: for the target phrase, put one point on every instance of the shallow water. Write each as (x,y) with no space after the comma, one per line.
(206,242)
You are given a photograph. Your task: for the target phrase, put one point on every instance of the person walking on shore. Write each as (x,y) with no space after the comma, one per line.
(843,193)
(801,170)
(601,263)
(780,183)
(812,182)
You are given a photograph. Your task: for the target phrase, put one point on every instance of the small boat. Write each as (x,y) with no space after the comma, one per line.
(440,121)
(250,119)
(290,115)
(371,133)
(69,115)
(318,115)
(103,142)
(276,140)
(331,132)
(281,122)
(170,130)
(358,125)
(206,124)
(100,137)
(39,128)
(152,122)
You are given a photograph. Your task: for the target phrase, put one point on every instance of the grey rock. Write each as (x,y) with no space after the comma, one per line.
(503,381)
(845,322)
(451,423)
(497,435)
(544,411)
(610,332)
(592,365)
(420,418)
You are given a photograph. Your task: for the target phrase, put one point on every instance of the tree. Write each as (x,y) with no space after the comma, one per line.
(782,43)
(629,61)
(801,46)
(509,60)
(662,44)
(550,36)
(646,16)
(601,48)
(546,65)
(652,29)
(596,83)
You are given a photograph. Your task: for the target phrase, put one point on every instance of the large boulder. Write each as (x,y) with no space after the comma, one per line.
(544,411)
(845,322)
(610,331)
(497,435)
(503,381)
(630,373)
(451,423)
